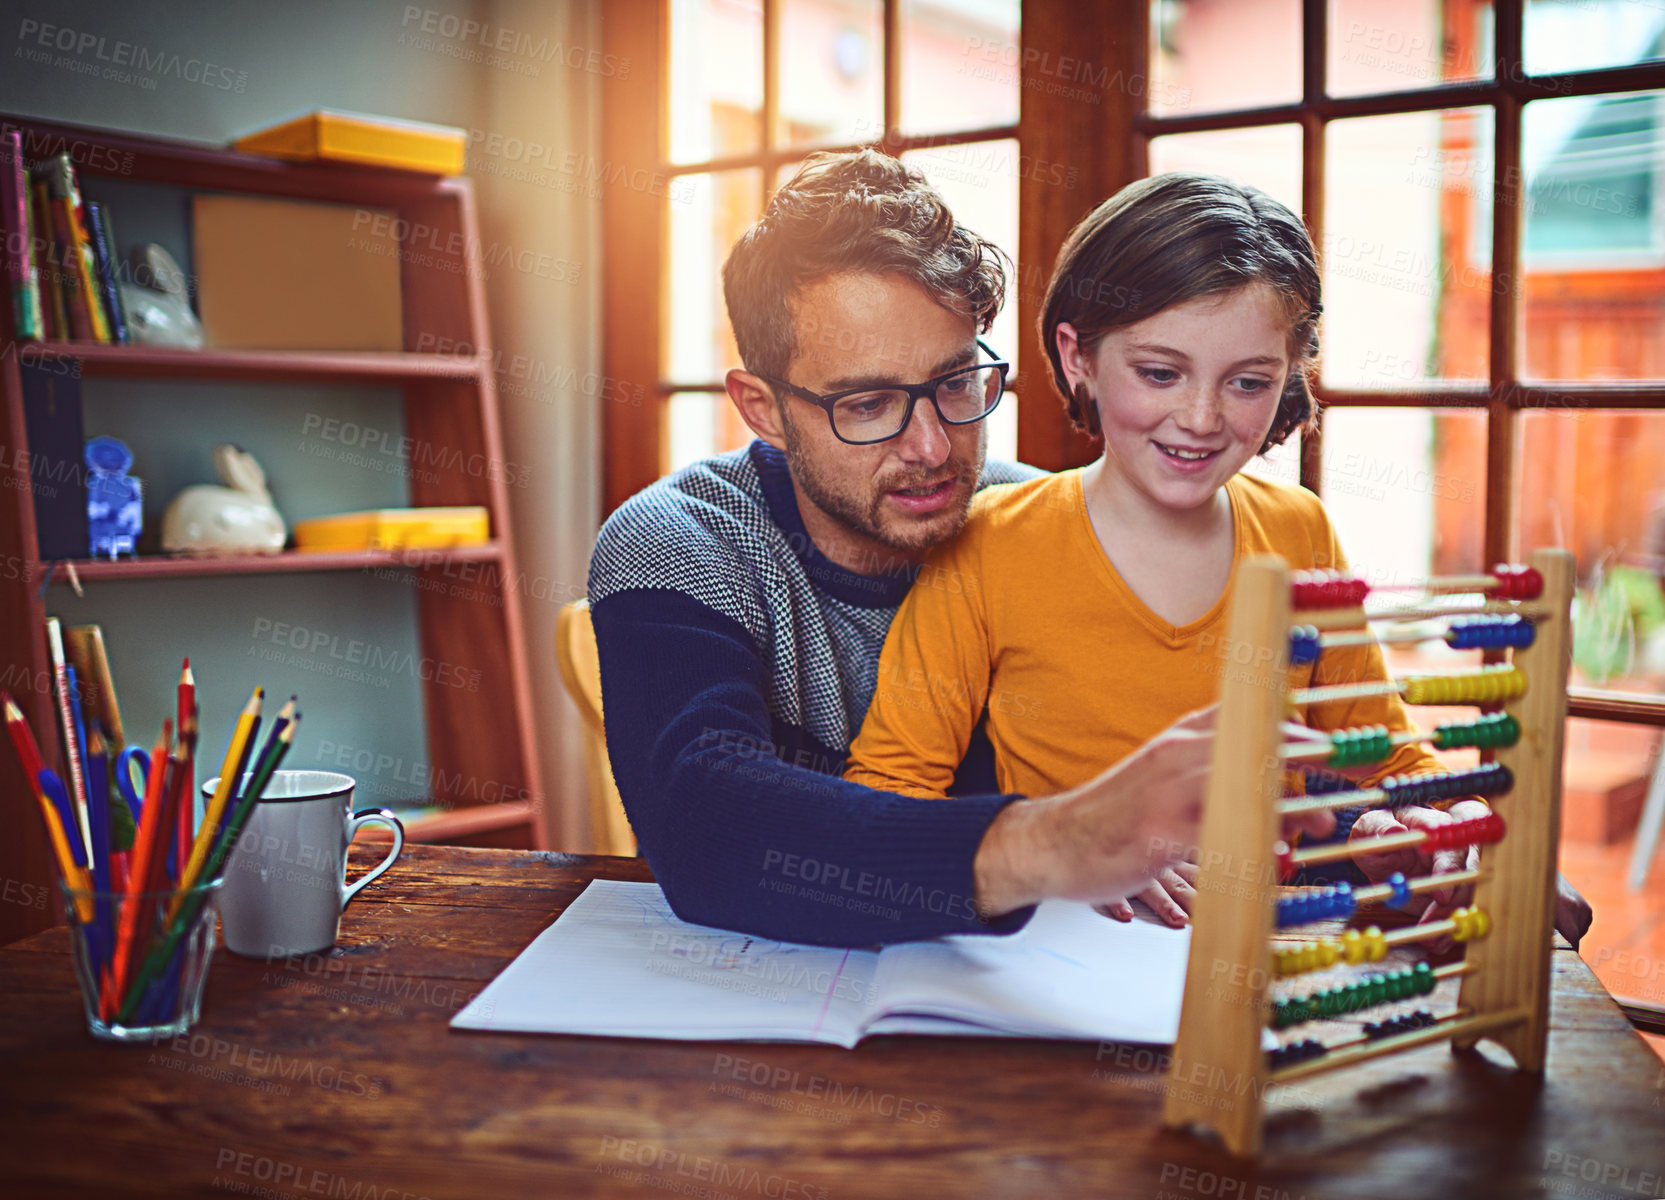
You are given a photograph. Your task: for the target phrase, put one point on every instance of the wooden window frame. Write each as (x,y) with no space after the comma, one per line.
(1505,395)
(635,234)
(1107,146)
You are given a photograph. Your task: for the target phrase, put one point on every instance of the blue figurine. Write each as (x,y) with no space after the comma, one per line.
(115,511)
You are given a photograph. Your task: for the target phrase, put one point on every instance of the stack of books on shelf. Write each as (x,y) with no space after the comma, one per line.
(60,252)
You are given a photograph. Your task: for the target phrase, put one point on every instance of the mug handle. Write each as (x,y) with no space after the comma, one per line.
(372,816)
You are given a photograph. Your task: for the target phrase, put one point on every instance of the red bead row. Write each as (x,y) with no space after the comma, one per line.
(1516,583)
(1327,589)
(1472,832)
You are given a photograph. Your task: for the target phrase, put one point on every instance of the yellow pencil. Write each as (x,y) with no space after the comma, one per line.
(236,755)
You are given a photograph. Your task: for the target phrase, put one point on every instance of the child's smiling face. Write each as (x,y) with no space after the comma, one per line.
(1186,397)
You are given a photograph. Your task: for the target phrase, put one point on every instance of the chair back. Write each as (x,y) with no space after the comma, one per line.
(580,665)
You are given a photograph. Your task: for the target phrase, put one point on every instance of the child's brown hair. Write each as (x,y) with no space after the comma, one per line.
(1176,237)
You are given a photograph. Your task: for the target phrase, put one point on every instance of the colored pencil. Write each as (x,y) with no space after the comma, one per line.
(185,828)
(72,749)
(28,754)
(57,797)
(231,771)
(163,951)
(146,876)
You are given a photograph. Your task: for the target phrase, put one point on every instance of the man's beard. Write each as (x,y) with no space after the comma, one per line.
(862,513)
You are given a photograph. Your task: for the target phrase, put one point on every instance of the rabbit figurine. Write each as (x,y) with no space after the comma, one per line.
(235,519)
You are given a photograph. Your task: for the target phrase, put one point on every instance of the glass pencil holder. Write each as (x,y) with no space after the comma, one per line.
(141,959)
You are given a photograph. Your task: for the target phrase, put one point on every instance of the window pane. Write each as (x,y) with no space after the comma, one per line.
(710,214)
(698,425)
(960,62)
(1392,47)
(1282,464)
(1592,481)
(1268,158)
(716,78)
(831,71)
(1406,488)
(1208,55)
(979,180)
(1407,249)
(1581,35)
(1594,237)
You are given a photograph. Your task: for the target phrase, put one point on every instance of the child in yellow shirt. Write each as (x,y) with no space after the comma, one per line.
(1086,610)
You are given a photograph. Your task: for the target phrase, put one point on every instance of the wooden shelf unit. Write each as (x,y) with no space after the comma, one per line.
(448,399)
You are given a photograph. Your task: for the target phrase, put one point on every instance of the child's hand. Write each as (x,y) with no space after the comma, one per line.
(1170,896)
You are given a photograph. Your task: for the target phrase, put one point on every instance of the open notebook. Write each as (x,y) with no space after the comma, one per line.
(619,963)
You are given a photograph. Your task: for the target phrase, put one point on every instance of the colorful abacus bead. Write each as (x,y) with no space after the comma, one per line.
(1476,831)
(1366,945)
(1487,732)
(1401,886)
(1400,984)
(1295,1052)
(1319,904)
(1286,861)
(1490,631)
(1404,1023)
(1326,589)
(1484,685)
(1470,924)
(1304,644)
(1488,779)
(1355,747)
(1308,956)
(1516,583)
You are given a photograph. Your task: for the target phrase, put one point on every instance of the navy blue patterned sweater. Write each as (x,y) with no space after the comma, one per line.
(737,663)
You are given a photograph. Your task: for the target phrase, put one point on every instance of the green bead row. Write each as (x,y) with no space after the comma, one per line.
(1489,731)
(1355,747)
(1368,992)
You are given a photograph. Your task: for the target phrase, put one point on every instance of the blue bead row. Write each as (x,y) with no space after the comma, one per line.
(1319,904)
(1490,631)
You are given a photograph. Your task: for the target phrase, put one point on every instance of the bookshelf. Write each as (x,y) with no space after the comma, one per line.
(446,400)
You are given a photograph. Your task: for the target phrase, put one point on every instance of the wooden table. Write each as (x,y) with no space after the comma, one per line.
(336,1075)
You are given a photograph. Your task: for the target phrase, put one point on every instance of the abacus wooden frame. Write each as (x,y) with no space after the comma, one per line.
(1504,996)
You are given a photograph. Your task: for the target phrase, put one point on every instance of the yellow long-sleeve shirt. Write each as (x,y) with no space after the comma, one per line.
(1023,613)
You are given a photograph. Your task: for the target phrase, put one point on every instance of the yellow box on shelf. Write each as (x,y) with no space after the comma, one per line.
(331,136)
(396,529)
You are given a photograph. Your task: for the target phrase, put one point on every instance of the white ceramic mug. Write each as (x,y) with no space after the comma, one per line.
(286,883)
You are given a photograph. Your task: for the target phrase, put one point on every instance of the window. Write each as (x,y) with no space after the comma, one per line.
(749,87)
(1487,219)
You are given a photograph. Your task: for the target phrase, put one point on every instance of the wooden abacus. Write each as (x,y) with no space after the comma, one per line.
(1504,993)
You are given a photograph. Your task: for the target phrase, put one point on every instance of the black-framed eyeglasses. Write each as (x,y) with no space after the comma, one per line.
(862,416)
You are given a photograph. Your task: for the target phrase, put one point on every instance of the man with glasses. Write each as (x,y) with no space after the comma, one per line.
(740,605)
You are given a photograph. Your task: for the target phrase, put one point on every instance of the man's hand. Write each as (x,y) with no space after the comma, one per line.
(1109,838)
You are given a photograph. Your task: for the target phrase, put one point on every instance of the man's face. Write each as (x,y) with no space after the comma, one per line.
(897,497)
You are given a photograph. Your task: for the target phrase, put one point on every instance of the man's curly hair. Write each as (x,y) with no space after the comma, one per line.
(859,211)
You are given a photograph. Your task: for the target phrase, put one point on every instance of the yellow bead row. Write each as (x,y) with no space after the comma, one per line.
(1489,685)
(1366,945)
(1472,924)
(1353,947)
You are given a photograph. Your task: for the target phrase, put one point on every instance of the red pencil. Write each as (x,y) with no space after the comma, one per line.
(187,696)
(185,828)
(147,869)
